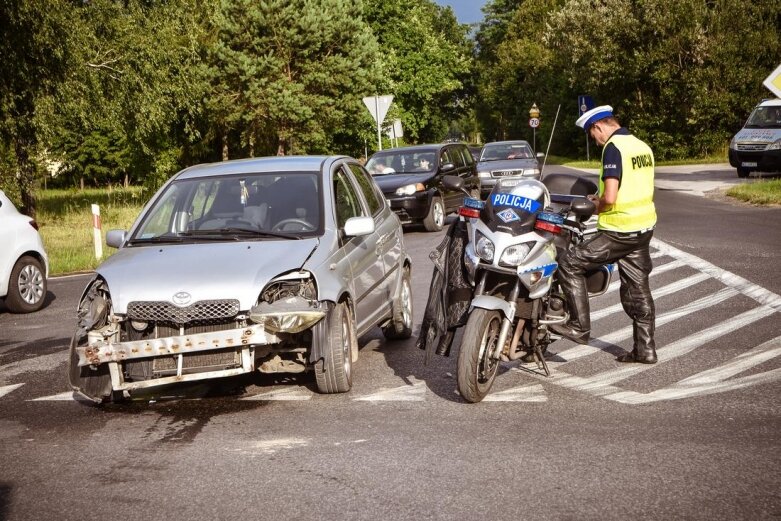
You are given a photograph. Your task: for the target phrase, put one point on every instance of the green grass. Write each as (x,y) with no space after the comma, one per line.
(759,192)
(594,163)
(65,221)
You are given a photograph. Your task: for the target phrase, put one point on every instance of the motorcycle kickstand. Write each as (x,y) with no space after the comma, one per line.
(540,359)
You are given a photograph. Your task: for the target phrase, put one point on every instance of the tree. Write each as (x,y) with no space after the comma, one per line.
(288,74)
(35,59)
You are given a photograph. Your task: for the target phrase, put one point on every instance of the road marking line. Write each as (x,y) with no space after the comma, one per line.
(614,338)
(61,397)
(656,271)
(657,293)
(9,389)
(676,393)
(525,393)
(758,293)
(287,394)
(739,364)
(657,254)
(406,393)
(602,383)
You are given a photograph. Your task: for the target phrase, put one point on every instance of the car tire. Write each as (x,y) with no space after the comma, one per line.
(743,172)
(435,220)
(333,373)
(27,286)
(400,326)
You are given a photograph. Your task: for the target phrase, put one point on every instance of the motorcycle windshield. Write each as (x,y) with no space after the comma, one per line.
(513,205)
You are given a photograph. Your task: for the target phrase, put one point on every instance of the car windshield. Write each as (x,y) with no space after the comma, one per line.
(501,152)
(385,163)
(765,117)
(254,205)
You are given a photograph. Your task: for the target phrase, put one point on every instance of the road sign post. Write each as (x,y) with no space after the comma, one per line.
(534,122)
(378,107)
(585,103)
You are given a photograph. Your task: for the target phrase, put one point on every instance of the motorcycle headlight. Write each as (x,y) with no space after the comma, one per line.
(514,255)
(484,247)
(775,145)
(410,189)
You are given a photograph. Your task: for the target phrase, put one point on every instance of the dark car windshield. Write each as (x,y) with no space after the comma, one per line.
(504,151)
(765,117)
(253,205)
(385,163)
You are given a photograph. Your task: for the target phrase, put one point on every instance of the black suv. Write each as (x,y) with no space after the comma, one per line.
(411,179)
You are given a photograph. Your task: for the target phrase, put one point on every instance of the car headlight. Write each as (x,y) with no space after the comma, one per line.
(484,174)
(514,255)
(484,248)
(775,145)
(410,189)
(288,315)
(532,171)
(733,143)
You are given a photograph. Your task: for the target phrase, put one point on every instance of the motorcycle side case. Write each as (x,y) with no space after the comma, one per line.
(598,281)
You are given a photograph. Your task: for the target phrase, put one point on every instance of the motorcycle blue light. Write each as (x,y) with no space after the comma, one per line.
(471,202)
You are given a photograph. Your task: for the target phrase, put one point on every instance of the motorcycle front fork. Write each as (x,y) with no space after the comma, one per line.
(507,324)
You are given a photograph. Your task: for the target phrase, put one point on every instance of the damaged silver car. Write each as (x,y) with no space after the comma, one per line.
(271,264)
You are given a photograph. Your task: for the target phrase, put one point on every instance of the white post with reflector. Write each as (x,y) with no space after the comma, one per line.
(96,235)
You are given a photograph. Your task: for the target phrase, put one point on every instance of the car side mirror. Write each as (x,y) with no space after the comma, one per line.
(540,155)
(582,207)
(357,226)
(115,238)
(447,167)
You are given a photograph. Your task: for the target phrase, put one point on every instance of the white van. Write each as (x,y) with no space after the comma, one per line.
(758,144)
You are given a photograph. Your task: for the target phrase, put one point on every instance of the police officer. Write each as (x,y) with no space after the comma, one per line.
(627,217)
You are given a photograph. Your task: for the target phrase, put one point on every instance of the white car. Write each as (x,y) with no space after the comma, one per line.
(24,264)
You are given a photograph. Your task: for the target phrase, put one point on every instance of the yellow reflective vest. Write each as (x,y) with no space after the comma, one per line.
(634,207)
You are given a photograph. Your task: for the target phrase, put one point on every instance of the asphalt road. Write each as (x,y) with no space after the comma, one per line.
(693,437)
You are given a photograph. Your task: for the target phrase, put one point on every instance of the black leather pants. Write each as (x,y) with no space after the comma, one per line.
(634,266)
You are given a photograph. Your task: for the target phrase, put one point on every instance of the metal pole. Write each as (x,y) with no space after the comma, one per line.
(377,118)
(534,139)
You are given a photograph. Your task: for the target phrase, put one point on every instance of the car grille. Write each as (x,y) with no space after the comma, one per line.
(506,173)
(209,360)
(752,147)
(204,310)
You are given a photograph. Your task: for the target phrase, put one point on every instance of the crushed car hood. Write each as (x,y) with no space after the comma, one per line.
(206,271)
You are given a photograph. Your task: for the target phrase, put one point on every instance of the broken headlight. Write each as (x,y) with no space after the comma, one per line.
(288,304)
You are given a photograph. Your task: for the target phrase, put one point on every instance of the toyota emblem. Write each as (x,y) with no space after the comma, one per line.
(182,298)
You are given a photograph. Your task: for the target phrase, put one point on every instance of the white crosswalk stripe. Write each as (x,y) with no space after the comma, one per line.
(285,394)
(5,389)
(405,393)
(525,393)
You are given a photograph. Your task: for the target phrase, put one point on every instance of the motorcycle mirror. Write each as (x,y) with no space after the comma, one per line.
(582,207)
(453,182)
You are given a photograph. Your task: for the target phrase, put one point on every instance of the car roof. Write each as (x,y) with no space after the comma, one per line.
(257,165)
(509,142)
(770,103)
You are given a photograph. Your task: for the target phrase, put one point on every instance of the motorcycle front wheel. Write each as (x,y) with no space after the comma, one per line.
(476,369)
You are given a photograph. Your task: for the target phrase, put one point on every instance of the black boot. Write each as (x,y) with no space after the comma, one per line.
(567,331)
(635,357)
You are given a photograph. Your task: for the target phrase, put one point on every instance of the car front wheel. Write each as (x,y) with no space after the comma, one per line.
(743,172)
(27,287)
(333,372)
(436,215)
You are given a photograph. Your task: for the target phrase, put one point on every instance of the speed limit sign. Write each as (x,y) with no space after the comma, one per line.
(534,122)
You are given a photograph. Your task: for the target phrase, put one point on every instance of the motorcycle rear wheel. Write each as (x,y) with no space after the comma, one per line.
(476,369)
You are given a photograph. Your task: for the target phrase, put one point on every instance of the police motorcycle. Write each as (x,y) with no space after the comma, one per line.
(515,237)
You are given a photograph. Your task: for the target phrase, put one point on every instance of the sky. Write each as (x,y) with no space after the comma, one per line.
(467,11)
